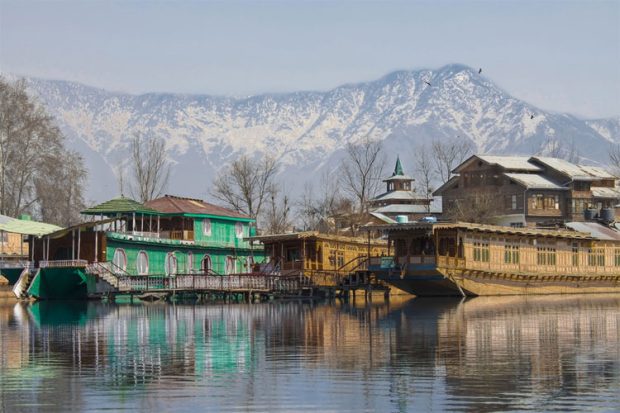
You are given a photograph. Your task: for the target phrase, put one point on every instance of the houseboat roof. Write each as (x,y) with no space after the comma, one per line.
(61,232)
(120,205)
(170,204)
(561,233)
(27,227)
(265,239)
(409,209)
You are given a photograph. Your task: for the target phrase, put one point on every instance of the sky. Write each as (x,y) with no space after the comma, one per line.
(562,56)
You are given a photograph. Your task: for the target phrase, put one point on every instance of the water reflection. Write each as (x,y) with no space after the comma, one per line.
(484,354)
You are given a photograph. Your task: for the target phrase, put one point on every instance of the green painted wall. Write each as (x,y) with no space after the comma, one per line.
(157,256)
(223,233)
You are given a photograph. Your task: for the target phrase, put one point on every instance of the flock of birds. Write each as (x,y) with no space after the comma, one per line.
(479,72)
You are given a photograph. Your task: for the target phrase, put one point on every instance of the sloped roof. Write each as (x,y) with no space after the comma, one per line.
(383,218)
(448,184)
(510,163)
(603,192)
(120,205)
(401,195)
(23,227)
(573,171)
(407,209)
(534,181)
(169,204)
(596,230)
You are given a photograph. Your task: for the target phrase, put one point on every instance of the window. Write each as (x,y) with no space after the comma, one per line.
(511,254)
(514,202)
(545,255)
(142,263)
(249,263)
(481,251)
(190,262)
(617,257)
(206,227)
(120,259)
(231,265)
(596,257)
(171,264)
(205,264)
(239,230)
(575,255)
(4,237)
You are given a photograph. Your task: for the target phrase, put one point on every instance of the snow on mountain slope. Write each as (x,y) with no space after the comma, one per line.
(307,131)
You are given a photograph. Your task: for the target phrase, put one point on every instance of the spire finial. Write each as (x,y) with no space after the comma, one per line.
(398,169)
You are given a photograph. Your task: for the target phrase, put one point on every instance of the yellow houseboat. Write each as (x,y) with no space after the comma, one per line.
(442,259)
(323,258)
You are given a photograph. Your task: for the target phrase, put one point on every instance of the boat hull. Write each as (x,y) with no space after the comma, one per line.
(441,282)
(61,284)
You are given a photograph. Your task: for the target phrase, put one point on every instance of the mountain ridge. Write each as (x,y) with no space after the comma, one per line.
(308,130)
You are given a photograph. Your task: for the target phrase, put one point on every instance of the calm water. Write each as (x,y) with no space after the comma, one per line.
(540,354)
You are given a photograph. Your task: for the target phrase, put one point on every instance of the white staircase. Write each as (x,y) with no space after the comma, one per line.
(20,289)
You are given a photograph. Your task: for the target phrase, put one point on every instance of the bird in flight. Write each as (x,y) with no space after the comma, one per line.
(479,70)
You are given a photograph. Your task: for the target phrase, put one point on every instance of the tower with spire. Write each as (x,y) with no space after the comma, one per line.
(400,198)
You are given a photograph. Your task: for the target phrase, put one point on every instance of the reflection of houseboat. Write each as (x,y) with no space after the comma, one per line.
(472,259)
(321,257)
(167,236)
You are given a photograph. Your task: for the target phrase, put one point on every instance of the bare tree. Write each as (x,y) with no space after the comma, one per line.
(62,205)
(317,208)
(150,167)
(362,170)
(277,217)
(477,208)
(614,158)
(246,184)
(34,165)
(555,148)
(424,173)
(448,155)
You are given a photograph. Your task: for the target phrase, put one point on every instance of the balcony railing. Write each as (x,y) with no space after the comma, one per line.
(63,264)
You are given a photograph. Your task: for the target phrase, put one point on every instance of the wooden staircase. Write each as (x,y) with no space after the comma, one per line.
(20,289)
(107,272)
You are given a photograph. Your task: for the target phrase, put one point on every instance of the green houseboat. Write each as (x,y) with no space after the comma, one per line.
(162,238)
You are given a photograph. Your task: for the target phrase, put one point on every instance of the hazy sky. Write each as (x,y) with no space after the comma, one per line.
(559,55)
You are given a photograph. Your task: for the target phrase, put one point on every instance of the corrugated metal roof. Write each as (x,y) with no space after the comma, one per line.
(510,163)
(407,209)
(5,219)
(482,228)
(402,195)
(265,239)
(602,192)
(169,204)
(398,178)
(120,205)
(573,171)
(35,228)
(534,181)
(383,218)
(596,230)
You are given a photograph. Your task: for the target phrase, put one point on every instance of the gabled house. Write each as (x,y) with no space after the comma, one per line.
(529,190)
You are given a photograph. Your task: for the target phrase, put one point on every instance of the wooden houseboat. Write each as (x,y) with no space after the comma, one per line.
(443,259)
(323,258)
(165,237)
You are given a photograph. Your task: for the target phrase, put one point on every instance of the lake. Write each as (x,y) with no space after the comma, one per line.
(550,353)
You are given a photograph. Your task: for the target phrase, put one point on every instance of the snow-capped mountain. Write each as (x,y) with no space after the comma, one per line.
(307,131)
